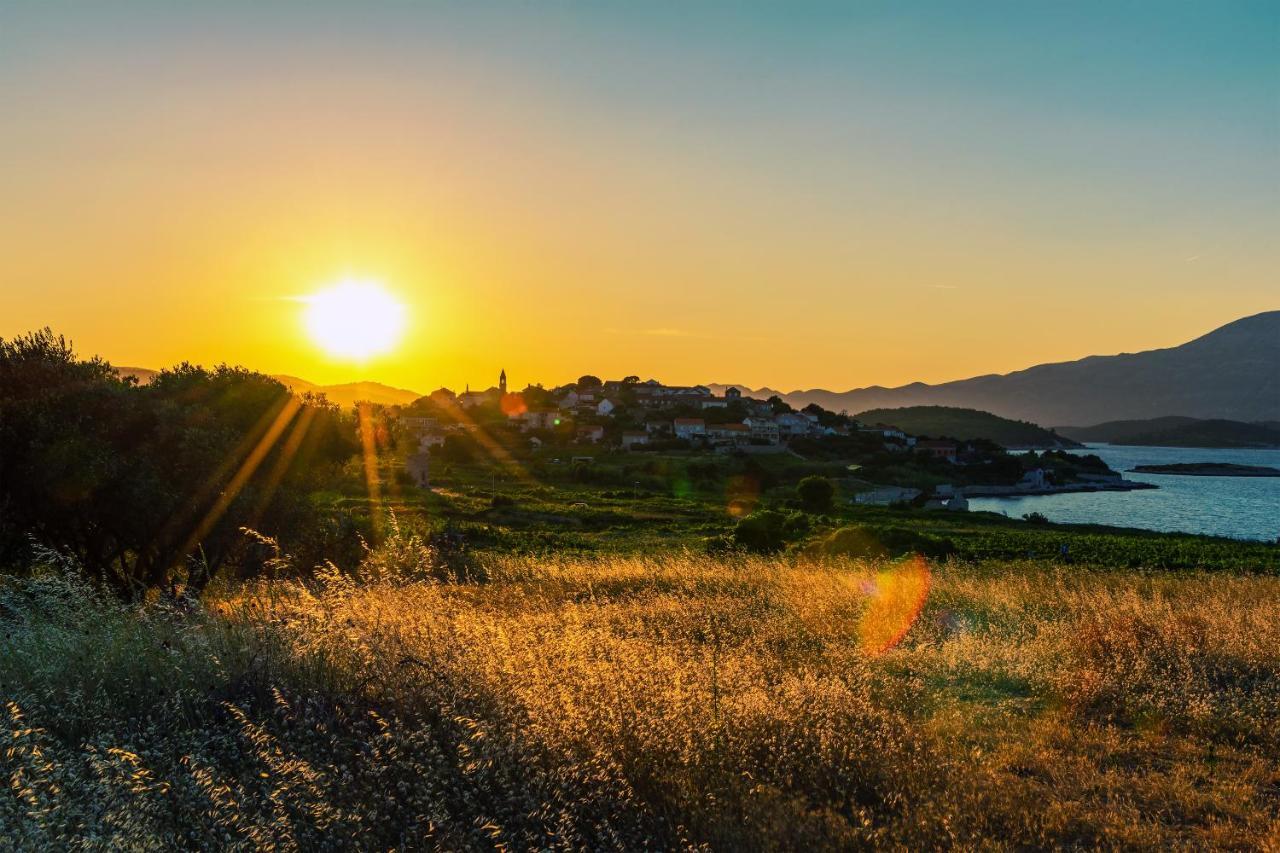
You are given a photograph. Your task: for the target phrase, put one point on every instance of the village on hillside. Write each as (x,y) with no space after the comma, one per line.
(634,416)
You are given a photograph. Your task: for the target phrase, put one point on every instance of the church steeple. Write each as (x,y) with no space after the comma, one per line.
(502,381)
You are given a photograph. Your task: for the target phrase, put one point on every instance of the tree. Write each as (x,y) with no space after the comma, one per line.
(816,493)
(766,531)
(145,485)
(778,405)
(825,418)
(458,448)
(589,381)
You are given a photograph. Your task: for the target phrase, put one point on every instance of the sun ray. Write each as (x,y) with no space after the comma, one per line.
(369,458)
(246,470)
(185,514)
(287,451)
(496,451)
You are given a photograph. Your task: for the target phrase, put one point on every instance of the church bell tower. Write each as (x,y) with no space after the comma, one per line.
(502,381)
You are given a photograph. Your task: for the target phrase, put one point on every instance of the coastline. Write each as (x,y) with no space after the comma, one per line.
(1207,469)
(1066,488)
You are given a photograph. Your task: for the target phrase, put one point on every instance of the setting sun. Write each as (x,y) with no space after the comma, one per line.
(354,319)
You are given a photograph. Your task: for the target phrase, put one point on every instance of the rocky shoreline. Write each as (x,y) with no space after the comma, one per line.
(1117,485)
(1208,469)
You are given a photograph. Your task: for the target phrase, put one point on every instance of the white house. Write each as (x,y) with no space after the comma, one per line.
(605,407)
(689,428)
(632,438)
(886,496)
(419,467)
(763,429)
(886,431)
(538,419)
(1034,480)
(469,399)
(728,434)
(591,433)
(418,426)
(791,425)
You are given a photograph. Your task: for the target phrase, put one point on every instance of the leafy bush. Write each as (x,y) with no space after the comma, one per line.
(767,531)
(816,493)
(863,540)
(149,485)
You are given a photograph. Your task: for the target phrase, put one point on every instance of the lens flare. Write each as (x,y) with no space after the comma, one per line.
(513,405)
(896,597)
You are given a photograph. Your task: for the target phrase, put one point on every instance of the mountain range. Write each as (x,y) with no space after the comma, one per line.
(1232,372)
(1177,431)
(345,394)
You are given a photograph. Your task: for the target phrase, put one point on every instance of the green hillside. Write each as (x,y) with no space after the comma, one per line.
(965,424)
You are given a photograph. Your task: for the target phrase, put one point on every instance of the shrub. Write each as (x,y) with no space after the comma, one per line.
(816,493)
(135,481)
(861,540)
(767,531)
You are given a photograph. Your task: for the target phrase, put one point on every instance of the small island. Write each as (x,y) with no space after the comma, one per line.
(1209,469)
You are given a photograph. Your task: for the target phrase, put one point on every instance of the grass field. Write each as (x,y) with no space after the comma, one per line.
(669,701)
(621,512)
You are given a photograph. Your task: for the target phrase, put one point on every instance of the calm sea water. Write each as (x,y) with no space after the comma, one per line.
(1241,507)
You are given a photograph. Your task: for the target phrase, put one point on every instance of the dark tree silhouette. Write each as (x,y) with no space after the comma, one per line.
(147,485)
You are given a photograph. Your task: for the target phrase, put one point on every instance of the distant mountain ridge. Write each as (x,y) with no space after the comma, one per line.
(1231,373)
(1179,432)
(350,393)
(344,394)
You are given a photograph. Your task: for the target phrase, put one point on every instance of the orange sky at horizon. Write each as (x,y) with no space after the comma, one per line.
(717,205)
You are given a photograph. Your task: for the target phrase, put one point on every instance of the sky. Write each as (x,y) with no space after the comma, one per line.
(788,194)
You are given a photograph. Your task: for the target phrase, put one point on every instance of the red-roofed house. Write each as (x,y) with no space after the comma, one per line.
(937,448)
(729,434)
(689,428)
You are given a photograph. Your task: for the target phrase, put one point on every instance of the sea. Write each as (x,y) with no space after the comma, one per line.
(1237,507)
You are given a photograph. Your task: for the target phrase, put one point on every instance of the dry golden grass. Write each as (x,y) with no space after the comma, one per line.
(667,702)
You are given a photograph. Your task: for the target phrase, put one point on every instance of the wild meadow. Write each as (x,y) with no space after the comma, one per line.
(665,651)
(669,701)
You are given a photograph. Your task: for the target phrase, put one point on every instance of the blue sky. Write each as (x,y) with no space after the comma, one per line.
(662,166)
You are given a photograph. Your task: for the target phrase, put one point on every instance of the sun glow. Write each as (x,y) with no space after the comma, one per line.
(354,320)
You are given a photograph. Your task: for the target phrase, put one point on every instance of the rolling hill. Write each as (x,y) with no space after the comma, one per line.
(349,393)
(1232,372)
(344,394)
(965,424)
(1179,432)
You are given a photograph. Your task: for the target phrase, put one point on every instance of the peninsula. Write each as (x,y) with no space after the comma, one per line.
(1209,469)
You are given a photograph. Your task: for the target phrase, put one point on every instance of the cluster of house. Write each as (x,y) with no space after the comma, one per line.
(760,427)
